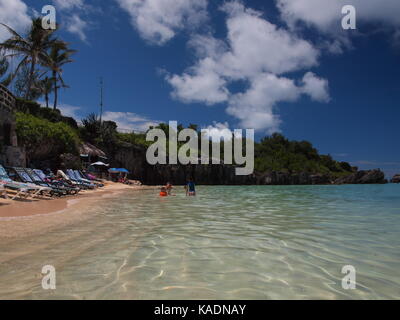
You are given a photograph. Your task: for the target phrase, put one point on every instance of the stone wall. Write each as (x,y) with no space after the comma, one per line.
(10,153)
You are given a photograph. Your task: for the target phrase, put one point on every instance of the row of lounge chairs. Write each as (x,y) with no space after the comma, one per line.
(35,183)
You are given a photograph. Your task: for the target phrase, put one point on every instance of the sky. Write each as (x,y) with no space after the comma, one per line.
(273,66)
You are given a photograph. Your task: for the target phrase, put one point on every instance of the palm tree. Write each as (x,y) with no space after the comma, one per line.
(20,80)
(46,87)
(3,70)
(32,49)
(92,128)
(59,56)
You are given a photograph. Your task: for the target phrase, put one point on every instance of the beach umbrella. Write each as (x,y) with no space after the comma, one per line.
(118,170)
(100,164)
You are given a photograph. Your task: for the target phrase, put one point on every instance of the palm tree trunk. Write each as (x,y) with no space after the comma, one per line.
(47,99)
(55,90)
(30,79)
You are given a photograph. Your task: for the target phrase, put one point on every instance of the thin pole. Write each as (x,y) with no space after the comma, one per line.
(101,98)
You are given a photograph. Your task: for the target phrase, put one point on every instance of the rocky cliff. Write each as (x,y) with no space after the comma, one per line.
(10,153)
(375,176)
(133,158)
(396,178)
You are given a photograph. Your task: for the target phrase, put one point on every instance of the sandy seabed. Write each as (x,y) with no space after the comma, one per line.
(24,218)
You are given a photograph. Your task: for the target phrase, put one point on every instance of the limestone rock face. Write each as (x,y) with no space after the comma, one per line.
(133,158)
(10,153)
(396,178)
(375,176)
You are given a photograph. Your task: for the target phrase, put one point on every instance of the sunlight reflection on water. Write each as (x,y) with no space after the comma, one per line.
(252,242)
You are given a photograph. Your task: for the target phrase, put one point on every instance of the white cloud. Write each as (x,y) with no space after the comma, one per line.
(159,20)
(77,26)
(66,110)
(313,12)
(70,111)
(200,84)
(74,15)
(218,130)
(258,53)
(254,107)
(258,45)
(68,4)
(128,121)
(315,87)
(15,14)
(326,16)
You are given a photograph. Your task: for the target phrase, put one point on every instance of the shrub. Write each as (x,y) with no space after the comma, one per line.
(276,153)
(134,138)
(43,138)
(35,109)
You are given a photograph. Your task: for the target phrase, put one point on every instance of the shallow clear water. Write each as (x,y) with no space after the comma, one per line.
(255,242)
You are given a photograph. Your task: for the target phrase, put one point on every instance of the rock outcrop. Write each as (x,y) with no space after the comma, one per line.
(375,176)
(396,178)
(133,158)
(10,153)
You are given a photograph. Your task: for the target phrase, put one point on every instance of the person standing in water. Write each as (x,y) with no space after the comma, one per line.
(169,188)
(190,188)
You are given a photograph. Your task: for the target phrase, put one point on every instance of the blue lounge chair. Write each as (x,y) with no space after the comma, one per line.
(71,174)
(70,180)
(55,183)
(96,182)
(85,180)
(26,179)
(38,181)
(22,190)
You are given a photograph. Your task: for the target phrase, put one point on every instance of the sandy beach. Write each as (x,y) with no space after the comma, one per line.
(21,218)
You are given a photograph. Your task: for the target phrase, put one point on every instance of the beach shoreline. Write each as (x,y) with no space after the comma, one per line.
(21,218)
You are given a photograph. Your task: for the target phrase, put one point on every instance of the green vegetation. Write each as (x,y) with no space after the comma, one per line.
(134,139)
(33,108)
(40,52)
(42,137)
(276,153)
(46,87)
(273,153)
(99,133)
(38,125)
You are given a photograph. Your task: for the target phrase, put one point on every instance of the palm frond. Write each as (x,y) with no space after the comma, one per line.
(24,61)
(12,31)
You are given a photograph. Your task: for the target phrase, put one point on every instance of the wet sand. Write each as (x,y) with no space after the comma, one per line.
(21,218)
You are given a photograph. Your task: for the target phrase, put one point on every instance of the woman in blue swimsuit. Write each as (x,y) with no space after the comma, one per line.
(190,188)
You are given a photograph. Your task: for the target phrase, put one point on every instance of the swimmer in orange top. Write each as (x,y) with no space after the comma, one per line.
(163,192)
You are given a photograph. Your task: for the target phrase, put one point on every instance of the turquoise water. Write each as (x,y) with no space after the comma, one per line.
(252,242)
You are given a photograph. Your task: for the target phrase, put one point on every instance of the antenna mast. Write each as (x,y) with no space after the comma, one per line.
(101,98)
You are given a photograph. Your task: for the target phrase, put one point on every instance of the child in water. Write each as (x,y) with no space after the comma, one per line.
(163,192)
